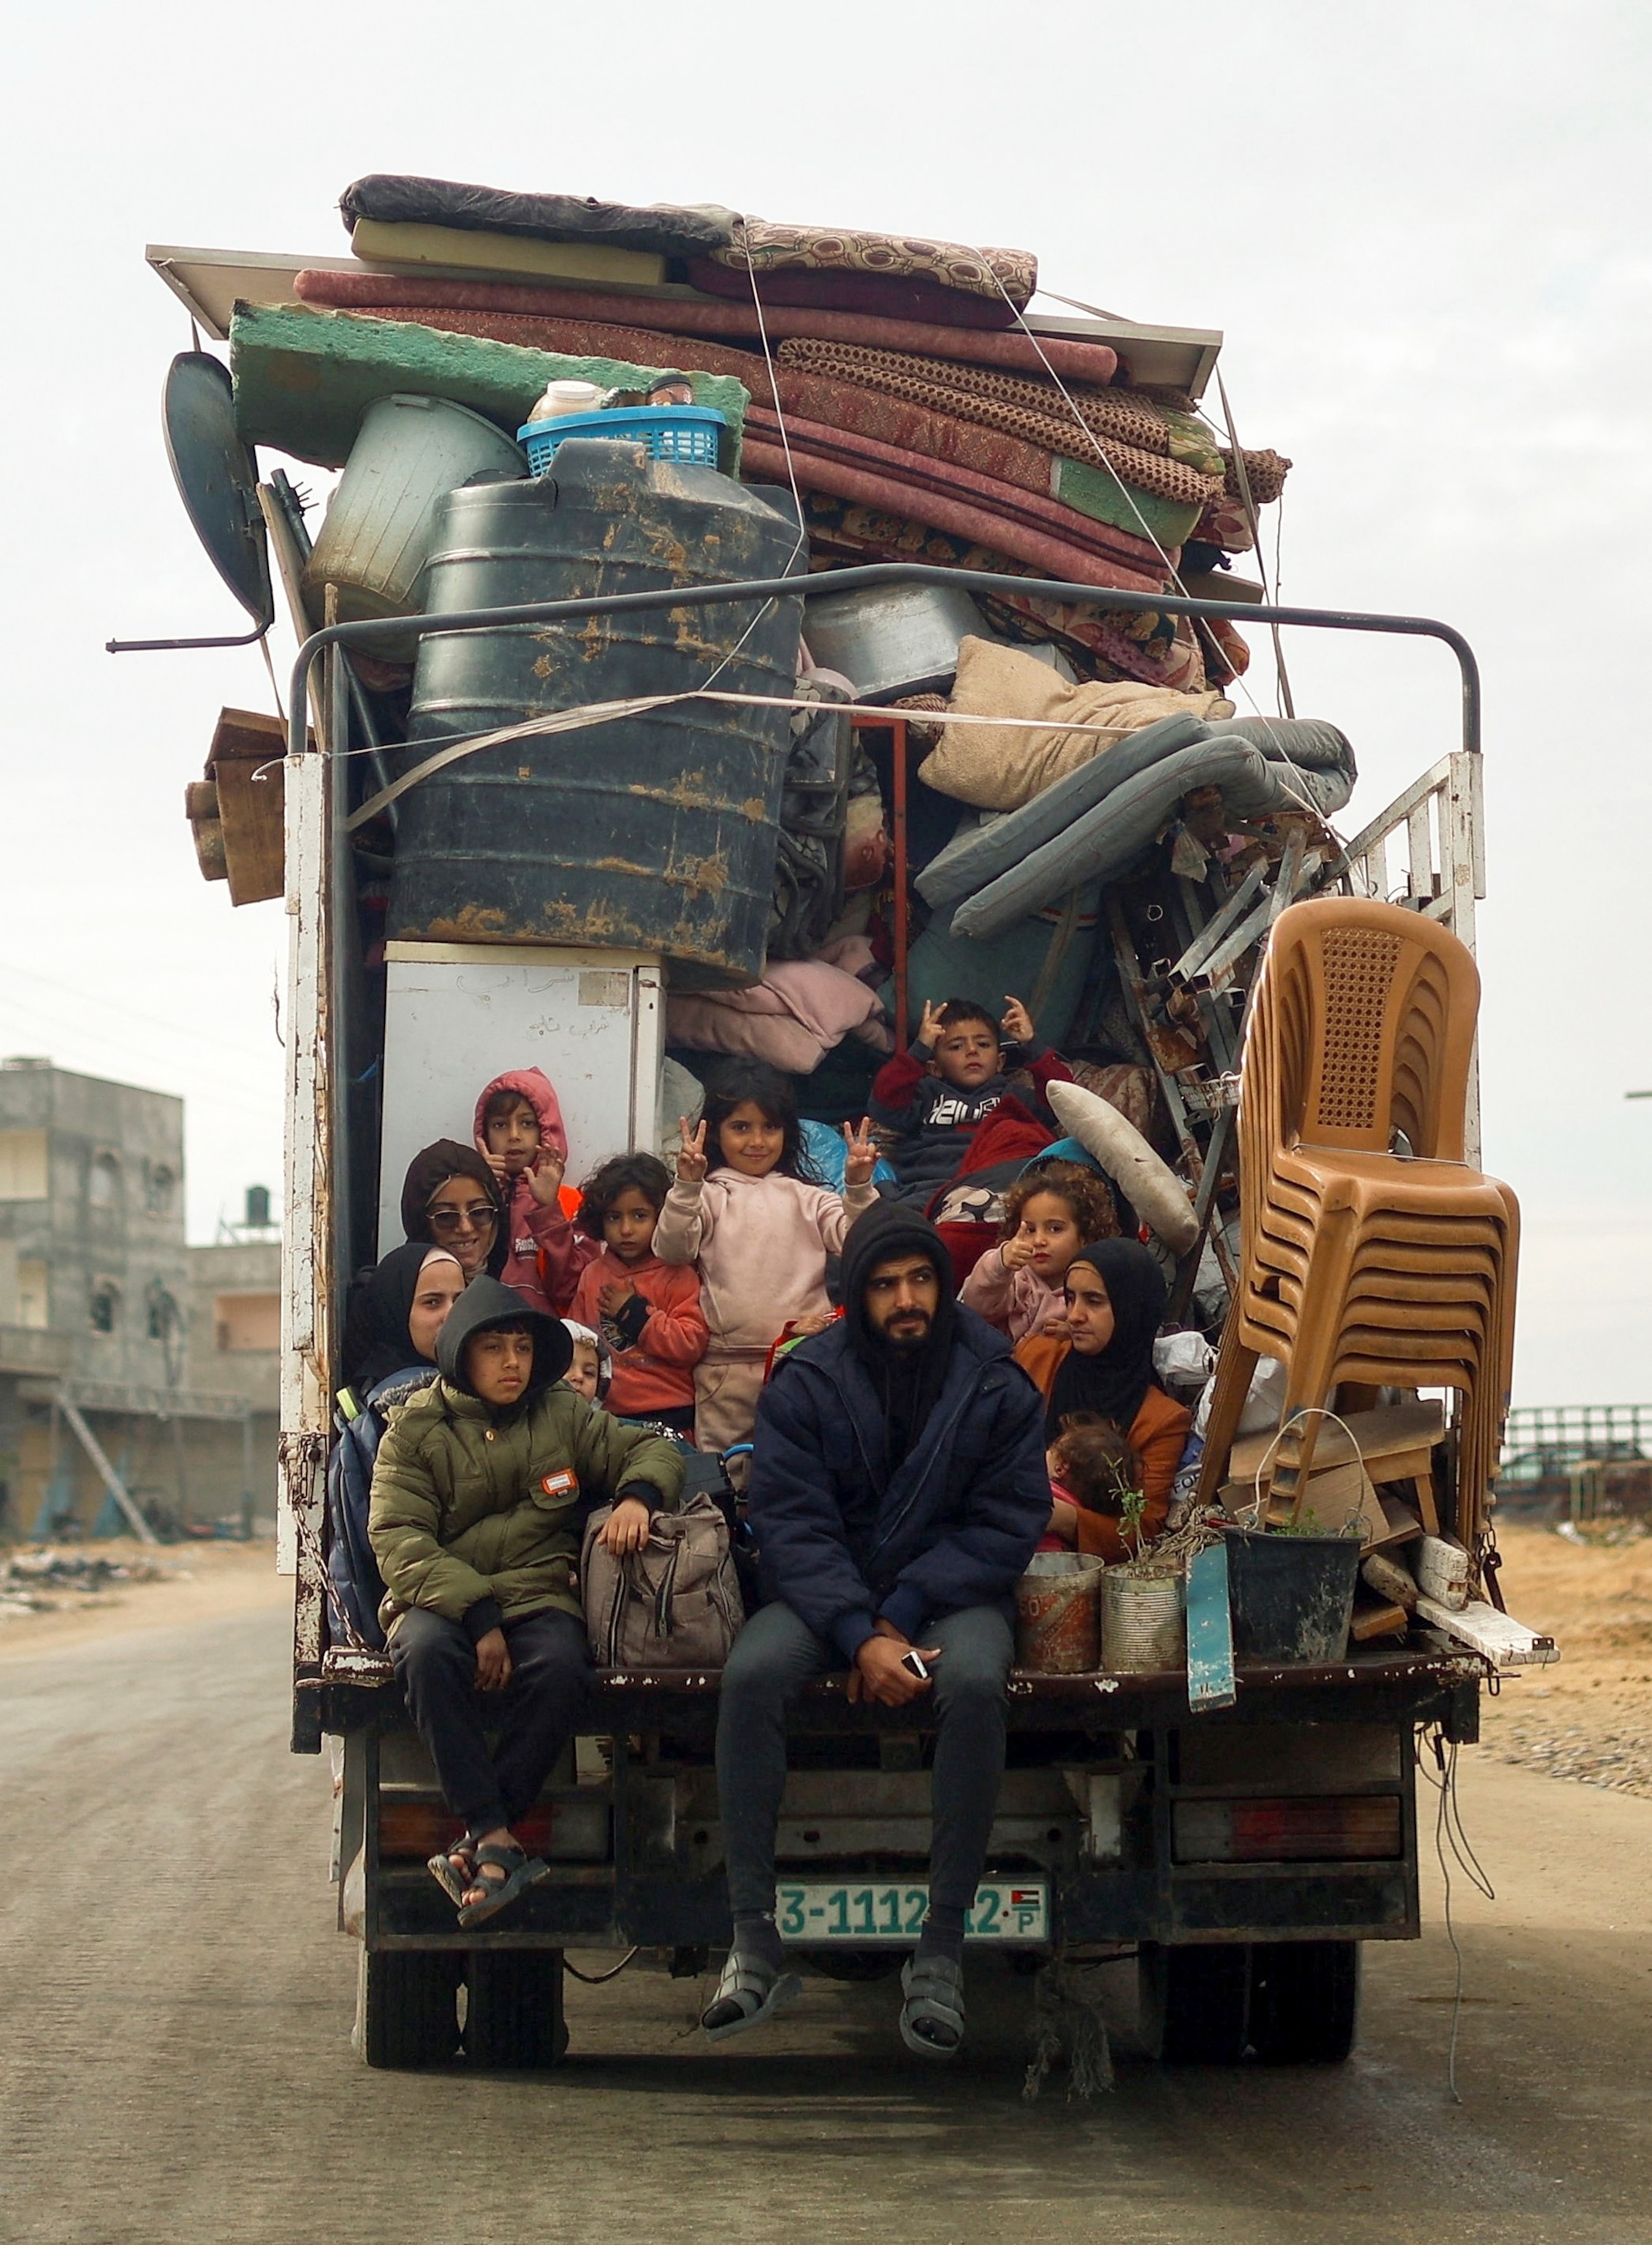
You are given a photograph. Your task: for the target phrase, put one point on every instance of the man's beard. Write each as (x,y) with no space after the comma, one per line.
(910,1341)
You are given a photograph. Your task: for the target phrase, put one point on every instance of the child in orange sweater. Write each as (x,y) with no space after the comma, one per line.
(647,1312)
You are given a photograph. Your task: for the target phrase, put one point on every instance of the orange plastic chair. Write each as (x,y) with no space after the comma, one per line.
(1370,1251)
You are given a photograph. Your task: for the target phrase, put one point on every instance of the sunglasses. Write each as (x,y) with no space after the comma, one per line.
(479,1216)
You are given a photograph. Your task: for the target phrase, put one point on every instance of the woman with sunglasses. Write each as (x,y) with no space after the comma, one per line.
(450,1197)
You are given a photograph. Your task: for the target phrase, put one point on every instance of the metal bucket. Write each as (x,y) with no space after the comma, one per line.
(1144,1624)
(655,834)
(1057,1619)
(892,640)
(1291,1597)
(408,454)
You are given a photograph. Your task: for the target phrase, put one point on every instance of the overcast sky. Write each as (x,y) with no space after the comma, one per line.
(1421,227)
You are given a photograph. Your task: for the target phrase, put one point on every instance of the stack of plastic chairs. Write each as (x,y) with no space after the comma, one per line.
(1370,1252)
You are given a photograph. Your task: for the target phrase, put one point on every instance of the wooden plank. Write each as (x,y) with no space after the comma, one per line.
(247,763)
(1210,1677)
(111,1481)
(1397,1436)
(1377,1621)
(1498,1635)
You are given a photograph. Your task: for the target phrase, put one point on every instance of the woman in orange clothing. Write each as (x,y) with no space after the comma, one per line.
(1115,1302)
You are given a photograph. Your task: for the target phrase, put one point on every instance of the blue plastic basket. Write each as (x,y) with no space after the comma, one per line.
(670,432)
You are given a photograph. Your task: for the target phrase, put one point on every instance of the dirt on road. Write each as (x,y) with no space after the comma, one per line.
(1589,1716)
(178,1583)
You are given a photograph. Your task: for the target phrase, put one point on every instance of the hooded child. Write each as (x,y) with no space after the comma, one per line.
(746,1209)
(1049,1210)
(647,1311)
(519,1135)
(394,1314)
(479,1493)
(1116,1298)
(933,1097)
(897,1491)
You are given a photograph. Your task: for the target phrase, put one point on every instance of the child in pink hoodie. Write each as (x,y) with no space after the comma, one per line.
(1049,1212)
(519,1135)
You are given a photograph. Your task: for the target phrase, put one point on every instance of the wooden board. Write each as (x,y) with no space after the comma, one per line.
(246,763)
(1399,1438)
(1498,1635)
(1210,1677)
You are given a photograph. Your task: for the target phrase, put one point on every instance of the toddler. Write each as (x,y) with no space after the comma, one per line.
(746,1209)
(646,1310)
(519,1135)
(1092,1468)
(933,1096)
(590,1371)
(1049,1212)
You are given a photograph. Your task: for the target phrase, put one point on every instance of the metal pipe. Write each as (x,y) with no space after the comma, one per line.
(342,933)
(890,572)
(902,927)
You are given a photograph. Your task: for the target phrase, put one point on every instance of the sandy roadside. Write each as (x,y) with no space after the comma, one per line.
(1589,1716)
(201,1581)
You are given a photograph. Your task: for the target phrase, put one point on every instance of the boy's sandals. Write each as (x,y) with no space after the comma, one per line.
(454,1869)
(520,1871)
(932,2015)
(749,1992)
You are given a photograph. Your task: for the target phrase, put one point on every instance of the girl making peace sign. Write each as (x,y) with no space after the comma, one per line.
(745,1208)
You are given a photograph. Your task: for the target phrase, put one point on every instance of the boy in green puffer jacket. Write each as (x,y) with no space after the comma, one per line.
(480,1490)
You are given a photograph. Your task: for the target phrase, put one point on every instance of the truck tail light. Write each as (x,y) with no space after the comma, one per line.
(414,1830)
(1330,1830)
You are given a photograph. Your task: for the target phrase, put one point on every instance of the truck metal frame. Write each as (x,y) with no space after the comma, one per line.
(1146,1820)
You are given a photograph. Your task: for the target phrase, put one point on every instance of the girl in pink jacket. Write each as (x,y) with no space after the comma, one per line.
(519,1135)
(761,1231)
(1051,1211)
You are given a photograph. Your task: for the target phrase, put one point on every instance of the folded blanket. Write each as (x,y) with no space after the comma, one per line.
(797,1013)
(404,199)
(1135,417)
(1073,359)
(1102,843)
(765,246)
(1001,769)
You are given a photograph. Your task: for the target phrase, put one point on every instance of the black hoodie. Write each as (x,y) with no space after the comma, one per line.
(485,1303)
(909,1380)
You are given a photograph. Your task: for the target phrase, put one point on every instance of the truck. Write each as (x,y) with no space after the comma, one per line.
(1241,1855)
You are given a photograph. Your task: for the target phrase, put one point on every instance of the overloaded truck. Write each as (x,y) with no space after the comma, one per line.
(659,634)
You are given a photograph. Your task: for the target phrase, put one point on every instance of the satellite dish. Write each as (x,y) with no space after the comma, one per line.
(217,480)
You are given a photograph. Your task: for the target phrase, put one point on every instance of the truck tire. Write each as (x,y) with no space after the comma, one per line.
(406,2006)
(1192,2001)
(1305,2001)
(513,2009)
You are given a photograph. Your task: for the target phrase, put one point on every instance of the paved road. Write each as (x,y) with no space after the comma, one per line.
(176,2063)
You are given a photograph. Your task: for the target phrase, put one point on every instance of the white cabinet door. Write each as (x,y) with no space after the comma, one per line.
(458,1015)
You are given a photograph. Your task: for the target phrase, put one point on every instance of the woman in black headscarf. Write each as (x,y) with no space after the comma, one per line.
(1102,1368)
(450,1197)
(396,1309)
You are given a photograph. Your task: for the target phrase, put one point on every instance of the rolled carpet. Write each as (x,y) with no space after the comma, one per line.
(1008,502)
(765,462)
(1036,412)
(1097,493)
(1073,359)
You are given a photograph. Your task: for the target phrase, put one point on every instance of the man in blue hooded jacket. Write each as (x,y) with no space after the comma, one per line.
(897,1491)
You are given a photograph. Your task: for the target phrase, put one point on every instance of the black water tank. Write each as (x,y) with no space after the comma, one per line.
(655,834)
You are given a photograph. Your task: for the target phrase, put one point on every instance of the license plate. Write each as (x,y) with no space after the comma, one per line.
(812,1912)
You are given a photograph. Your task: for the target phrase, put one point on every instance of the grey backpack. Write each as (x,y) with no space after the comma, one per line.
(675,1603)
